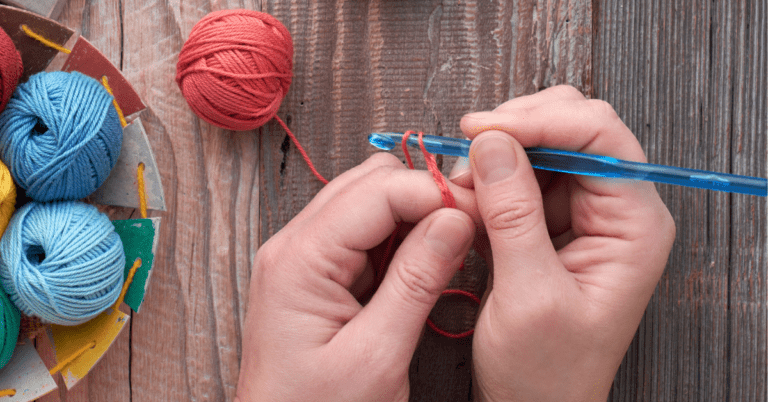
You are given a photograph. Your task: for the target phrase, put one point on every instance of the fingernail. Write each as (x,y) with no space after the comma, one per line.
(460,169)
(494,158)
(448,235)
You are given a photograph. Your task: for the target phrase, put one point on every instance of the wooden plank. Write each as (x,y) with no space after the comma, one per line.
(552,45)
(673,73)
(191,331)
(748,320)
(175,335)
(660,57)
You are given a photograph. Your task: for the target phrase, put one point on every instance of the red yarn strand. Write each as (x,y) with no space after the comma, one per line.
(449,202)
(448,199)
(379,273)
(301,151)
(404,145)
(445,333)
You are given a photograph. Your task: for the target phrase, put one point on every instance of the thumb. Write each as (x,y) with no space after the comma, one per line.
(420,270)
(510,204)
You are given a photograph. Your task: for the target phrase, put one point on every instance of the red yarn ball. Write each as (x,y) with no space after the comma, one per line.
(10,68)
(235,68)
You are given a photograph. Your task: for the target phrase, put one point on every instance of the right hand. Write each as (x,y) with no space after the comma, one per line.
(574,259)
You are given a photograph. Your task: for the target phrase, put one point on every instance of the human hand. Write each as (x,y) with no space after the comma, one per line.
(306,336)
(575,259)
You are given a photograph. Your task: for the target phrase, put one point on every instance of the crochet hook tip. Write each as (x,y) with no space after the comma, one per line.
(382,141)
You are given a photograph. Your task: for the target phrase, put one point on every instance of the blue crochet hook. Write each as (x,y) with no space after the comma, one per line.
(592,165)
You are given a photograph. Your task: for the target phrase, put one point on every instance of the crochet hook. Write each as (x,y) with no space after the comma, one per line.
(593,165)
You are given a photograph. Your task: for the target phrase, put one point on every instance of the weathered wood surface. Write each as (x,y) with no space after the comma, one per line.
(689,80)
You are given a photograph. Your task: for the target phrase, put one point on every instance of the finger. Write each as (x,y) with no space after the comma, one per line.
(461,174)
(629,212)
(590,126)
(334,186)
(420,270)
(554,188)
(510,203)
(365,213)
(541,98)
(607,207)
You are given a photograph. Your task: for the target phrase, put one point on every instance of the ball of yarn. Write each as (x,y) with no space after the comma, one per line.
(235,68)
(62,262)
(10,68)
(60,135)
(10,320)
(7,197)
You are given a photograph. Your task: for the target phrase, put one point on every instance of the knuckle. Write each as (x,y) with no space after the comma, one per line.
(513,215)
(267,258)
(375,178)
(274,255)
(669,225)
(667,229)
(381,172)
(602,109)
(383,159)
(418,284)
(567,92)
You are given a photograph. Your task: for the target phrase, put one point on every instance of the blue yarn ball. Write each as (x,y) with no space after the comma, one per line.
(60,136)
(61,261)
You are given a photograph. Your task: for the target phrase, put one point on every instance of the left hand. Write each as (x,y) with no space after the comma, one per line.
(306,336)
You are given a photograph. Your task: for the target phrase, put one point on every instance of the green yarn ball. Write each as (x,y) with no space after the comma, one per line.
(10,320)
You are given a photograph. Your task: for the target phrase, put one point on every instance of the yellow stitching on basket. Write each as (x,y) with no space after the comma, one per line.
(44,41)
(142,190)
(74,356)
(105,82)
(127,284)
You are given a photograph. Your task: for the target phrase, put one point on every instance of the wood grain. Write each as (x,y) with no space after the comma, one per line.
(201,320)
(690,81)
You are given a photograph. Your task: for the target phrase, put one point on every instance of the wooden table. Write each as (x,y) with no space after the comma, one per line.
(689,78)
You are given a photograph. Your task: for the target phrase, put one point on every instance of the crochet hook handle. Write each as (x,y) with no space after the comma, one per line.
(594,165)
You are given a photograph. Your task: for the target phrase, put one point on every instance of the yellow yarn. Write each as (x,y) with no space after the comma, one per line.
(7,197)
